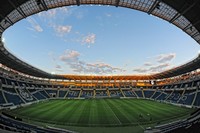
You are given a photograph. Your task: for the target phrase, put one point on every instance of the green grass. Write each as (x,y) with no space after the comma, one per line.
(102,114)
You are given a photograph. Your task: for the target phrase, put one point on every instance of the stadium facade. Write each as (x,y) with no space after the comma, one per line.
(22,84)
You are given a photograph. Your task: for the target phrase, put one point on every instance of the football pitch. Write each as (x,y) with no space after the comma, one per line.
(97,113)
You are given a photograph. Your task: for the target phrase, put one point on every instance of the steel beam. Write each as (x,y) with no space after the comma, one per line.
(6,18)
(191,25)
(44,5)
(17,8)
(2,27)
(154,6)
(195,34)
(182,13)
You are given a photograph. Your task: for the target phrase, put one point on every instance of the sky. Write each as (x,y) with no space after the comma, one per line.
(99,40)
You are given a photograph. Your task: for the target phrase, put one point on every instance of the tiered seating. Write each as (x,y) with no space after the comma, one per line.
(129,93)
(101,93)
(9,82)
(163,96)
(197,100)
(22,84)
(13,98)
(25,95)
(9,90)
(16,125)
(189,125)
(87,94)
(62,93)
(28,91)
(156,94)
(44,94)
(148,93)
(187,98)
(175,96)
(32,90)
(139,93)
(115,93)
(2,101)
(191,128)
(38,95)
(3,80)
(52,93)
(30,85)
(73,94)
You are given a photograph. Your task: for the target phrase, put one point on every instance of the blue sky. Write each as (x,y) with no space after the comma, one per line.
(99,40)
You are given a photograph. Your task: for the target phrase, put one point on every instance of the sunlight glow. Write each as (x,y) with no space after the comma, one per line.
(3,40)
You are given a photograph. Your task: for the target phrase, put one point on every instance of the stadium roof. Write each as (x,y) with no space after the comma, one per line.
(182,13)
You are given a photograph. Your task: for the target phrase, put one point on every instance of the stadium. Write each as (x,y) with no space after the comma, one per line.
(32,100)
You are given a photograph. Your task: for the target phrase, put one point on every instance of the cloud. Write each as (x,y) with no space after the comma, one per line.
(34,25)
(159,68)
(62,29)
(165,57)
(58,68)
(70,56)
(89,39)
(57,18)
(140,70)
(54,12)
(102,68)
(72,59)
(157,64)
(152,69)
(50,13)
(148,64)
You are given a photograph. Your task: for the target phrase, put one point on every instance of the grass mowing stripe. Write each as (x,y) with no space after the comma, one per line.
(167,108)
(57,114)
(146,113)
(136,112)
(107,107)
(32,111)
(139,107)
(155,111)
(117,110)
(44,115)
(77,114)
(130,112)
(84,115)
(105,114)
(93,117)
(158,114)
(103,117)
(100,112)
(73,105)
(32,108)
(72,112)
(62,112)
